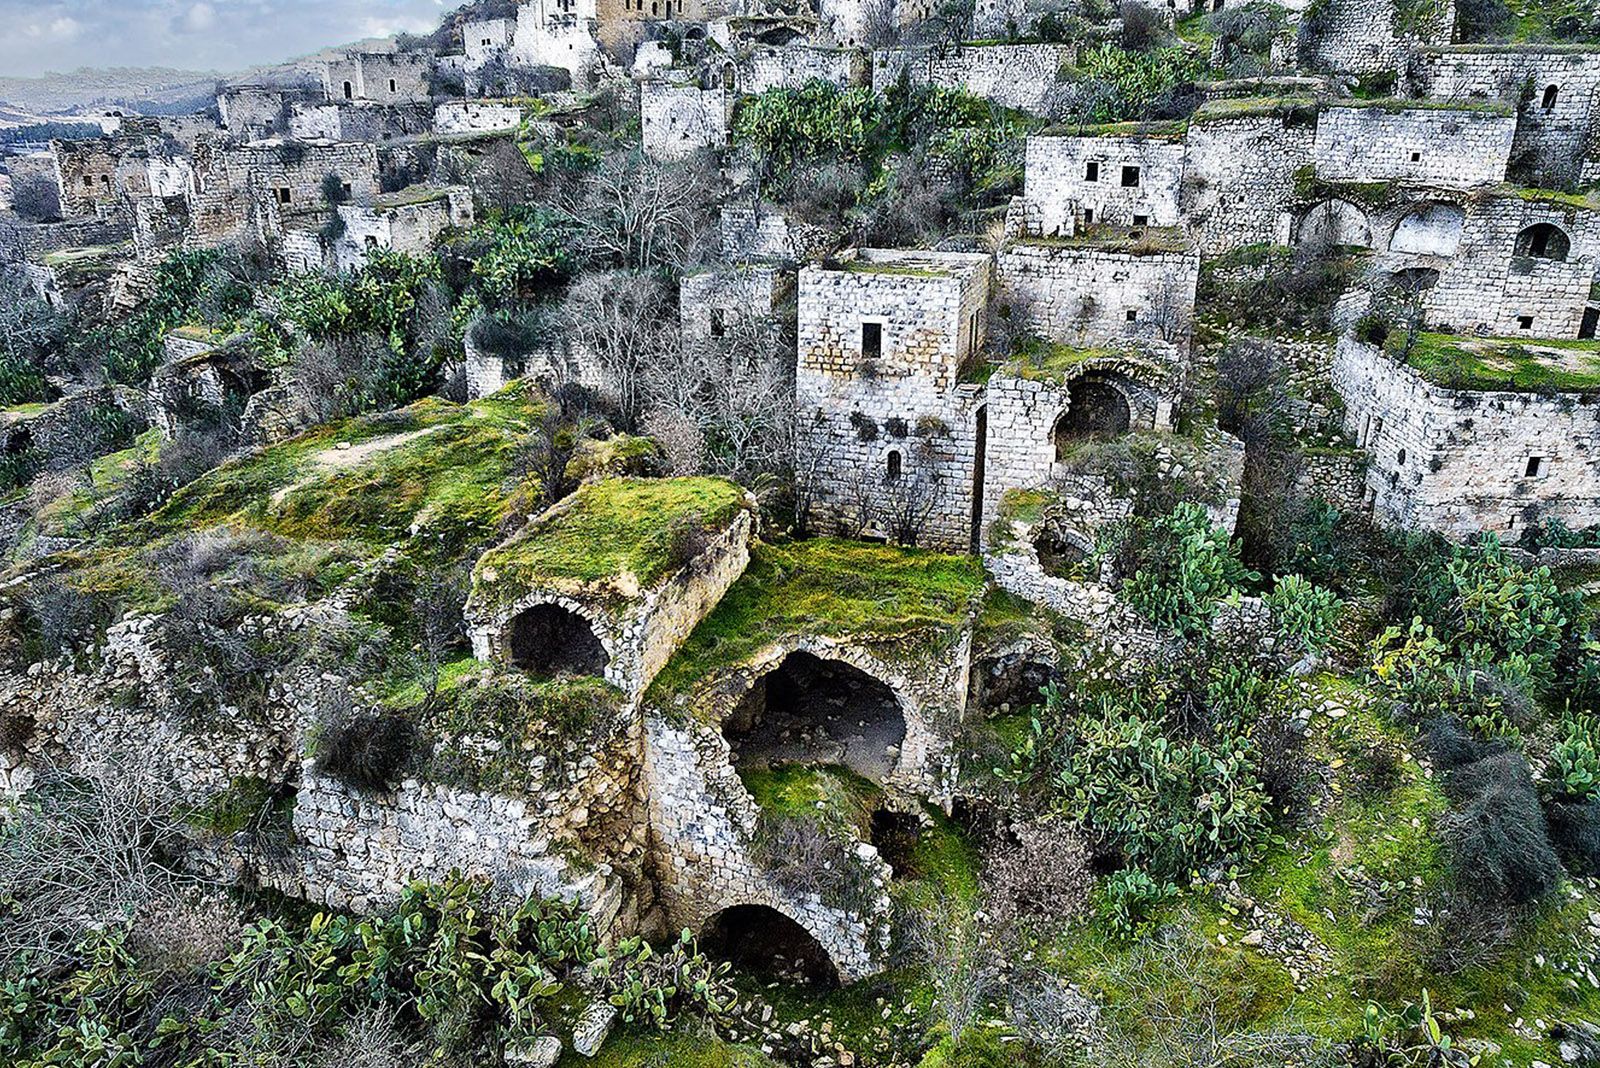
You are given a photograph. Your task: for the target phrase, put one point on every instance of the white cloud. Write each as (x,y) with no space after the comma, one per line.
(201,17)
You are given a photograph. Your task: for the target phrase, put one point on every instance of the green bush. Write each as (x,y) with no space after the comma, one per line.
(1303,613)
(1182,568)
(1573,771)
(1128,900)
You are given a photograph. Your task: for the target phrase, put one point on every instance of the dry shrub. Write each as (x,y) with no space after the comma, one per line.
(1038,871)
(183,931)
(365,751)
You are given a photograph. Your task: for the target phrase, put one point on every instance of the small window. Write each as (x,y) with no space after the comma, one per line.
(1133,315)
(1549,100)
(88,181)
(892,467)
(1416,157)
(1538,467)
(1088,216)
(716,322)
(1091,171)
(1524,322)
(871,340)
(349,91)
(1141,220)
(1130,177)
(1401,458)
(283,194)
(393,86)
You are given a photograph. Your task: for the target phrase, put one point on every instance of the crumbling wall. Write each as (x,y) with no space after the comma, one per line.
(252,112)
(1020,76)
(1085,295)
(679,120)
(1239,180)
(381,77)
(1461,462)
(708,300)
(794,65)
(1373,36)
(476,116)
(1456,147)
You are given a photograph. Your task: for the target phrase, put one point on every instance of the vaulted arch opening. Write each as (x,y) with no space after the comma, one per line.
(1335,223)
(1094,409)
(549,640)
(814,711)
(760,939)
(1429,230)
(1543,241)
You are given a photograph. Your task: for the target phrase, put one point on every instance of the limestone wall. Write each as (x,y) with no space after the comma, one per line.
(476,116)
(1239,180)
(1087,181)
(382,77)
(1555,89)
(1019,76)
(21,241)
(1459,462)
(679,120)
(1373,36)
(1454,148)
(1092,296)
(484,39)
(236,182)
(794,65)
(552,33)
(253,111)
(708,300)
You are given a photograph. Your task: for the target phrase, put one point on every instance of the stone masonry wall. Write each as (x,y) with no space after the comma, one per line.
(1369,36)
(679,120)
(1458,461)
(1080,181)
(1448,147)
(1239,180)
(708,300)
(1085,295)
(476,116)
(1556,91)
(1019,76)
(794,65)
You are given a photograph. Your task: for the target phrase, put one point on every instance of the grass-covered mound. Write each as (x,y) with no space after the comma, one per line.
(908,601)
(615,538)
(1518,365)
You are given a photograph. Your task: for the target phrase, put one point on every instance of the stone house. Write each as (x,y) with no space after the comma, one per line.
(1372,36)
(678,119)
(709,300)
(253,112)
(890,409)
(379,77)
(1461,461)
(410,221)
(1447,145)
(1555,90)
(245,189)
(558,33)
(1118,179)
(1019,76)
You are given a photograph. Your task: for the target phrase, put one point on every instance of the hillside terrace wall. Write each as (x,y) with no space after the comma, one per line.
(794,65)
(24,241)
(1555,90)
(1020,76)
(1452,148)
(476,116)
(1458,461)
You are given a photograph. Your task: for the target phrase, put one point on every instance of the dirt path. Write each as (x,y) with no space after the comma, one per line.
(344,456)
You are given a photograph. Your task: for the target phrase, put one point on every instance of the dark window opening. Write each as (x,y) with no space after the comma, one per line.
(871,340)
(896,835)
(1536,467)
(1401,458)
(1543,241)
(892,468)
(717,325)
(1524,322)
(1141,220)
(1130,176)
(1133,315)
(1088,216)
(1549,100)
(1416,157)
(349,91)
(393,86)
(549,640)
(1091,171)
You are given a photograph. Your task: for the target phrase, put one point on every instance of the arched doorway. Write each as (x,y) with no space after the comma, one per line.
(549,640)
(1094,409)
(1429,230)
(763,940)
(814,711)
(1335,223)
(1543,241)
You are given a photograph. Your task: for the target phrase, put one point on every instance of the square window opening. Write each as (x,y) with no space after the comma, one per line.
(871,340)
(1130,177)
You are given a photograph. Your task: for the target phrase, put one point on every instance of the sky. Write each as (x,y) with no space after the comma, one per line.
(219,35)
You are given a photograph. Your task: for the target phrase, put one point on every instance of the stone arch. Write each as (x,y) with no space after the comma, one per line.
(1432,229)
(765,940)
(1095,408)
(552,639)
(811,707)
(1543,241)
(1334,222)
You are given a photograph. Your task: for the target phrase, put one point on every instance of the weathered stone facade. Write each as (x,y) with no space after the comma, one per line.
(1090,181)
(1461,461)
(1373,36)
(1555,89)
(1086,293)
(410,221)
(679,120)
(1019,76)
(1450,147)
(381,77)
(891,429)
(794,65)
(1239,176)
(709,300)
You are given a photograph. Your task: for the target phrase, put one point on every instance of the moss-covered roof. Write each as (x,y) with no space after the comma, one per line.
(1168,130)
(1501,363)
(1255,106)
(827,587)
(1133,240)
(1049,361)
(612,538)
(1497,108)
(1555,198)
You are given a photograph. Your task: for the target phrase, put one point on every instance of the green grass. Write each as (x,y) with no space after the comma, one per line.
(1254,107)
(839,798)
(1513,364)
(614,537)
(1406,103)
(1048,361)
(907,601)
(670,1051)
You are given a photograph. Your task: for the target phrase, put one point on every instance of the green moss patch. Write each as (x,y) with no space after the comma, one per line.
(1511,364)
(677,1050)
(840,799)
(910,600)
(615,537)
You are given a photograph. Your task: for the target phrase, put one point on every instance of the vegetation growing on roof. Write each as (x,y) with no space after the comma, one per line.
(904,599)
(1518,365)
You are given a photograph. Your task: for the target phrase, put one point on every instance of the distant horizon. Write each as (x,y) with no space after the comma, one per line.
(198,37)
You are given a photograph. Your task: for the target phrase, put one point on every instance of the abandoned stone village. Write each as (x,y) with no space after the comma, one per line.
(647,670)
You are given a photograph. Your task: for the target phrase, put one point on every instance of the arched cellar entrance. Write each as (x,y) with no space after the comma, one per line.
(765,941)
(814,711)
(549,640)
(1094,409)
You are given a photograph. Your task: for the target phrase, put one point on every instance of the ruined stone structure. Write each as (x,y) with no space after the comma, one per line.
(1373,36)
(1239,173)
(1017,76)
(679,120)
(379,77)
(1089,181)
(558,33)
(252,188)
(253,112)
(850,23)
(1454,147)
(1464,461)
(791,66)
(1556,91)
(890,426)
(410,221)
(710,300)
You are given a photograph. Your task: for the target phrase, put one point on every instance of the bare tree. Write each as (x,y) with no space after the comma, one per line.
(623,319)
(813,454)
(961,962)
(915,492)
(638,212)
